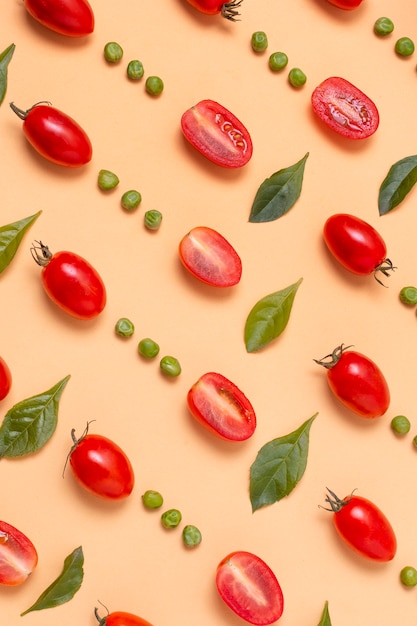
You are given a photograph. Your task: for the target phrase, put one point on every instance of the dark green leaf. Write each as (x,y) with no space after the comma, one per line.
(65,586)
(11,236)
(325,617)
(400,179)
(279,466)
(278,193)
(269,317)
(5,58)
(29,424)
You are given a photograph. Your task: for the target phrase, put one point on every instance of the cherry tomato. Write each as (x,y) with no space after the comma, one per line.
(356,245)
(120,618)
(217,134)
(5,379)
(347,5)
(73,18)
(220,406)
(208,256)
(18,556)
(357,382)
(55,135)
(71,282)
(363,527)
(101,466)
(229,10)
(250,588)
(345,109)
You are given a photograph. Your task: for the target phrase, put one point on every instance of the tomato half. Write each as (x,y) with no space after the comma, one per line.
(221,407)
(347,5)
(54,135)
(357,382)
(73,18)
(229,10)
(250,588)
(121,618)
(217,134)
(356,245)
(363,527)
(18,556)
(5,379)
(71,282)
(345,109)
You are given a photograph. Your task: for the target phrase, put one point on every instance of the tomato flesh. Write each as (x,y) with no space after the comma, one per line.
(73,18)
(345,109)
(217,134)
(347,5)
(250,588)
(5,379)
(18,556)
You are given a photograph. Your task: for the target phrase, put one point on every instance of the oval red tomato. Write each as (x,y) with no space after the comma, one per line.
(18,556)
(5,379)
(71,282)
(73,18)
(217,134)
(229,10)
(55,135)
(347,5)
(221,407)
(250,588)
(357,382)
(345,109)
(208,256)
(121,618)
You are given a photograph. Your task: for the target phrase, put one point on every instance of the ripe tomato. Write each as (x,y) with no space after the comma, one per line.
(221,407)
(71,282)
(229,10)
(5,379)
(55,135)
(250,588)
(357,382)
(217,134)
(208,256)
(363,527)
(120,618)
(356,245)
(73,18)
(347,5)
(345,109)
(18,556)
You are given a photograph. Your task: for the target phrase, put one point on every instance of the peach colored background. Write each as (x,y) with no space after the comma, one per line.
(131,563)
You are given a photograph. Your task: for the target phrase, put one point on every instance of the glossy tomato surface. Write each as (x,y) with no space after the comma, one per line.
(18,556)
(229,10)
(5,379)
(217,134)
(345,109)
(208,256)
(221,407)
(347,5)
(250,588)
(121,618)
(73,18)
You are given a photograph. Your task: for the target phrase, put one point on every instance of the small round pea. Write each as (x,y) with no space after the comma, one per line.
(107,180)
(124,327)
(383,26)
(415,441)
(404,46)
(408,295)
(131,200)
(113,52)
(400,424)
(408,576)
(135,70)
(171,518)
(259,41)
(296,77)
(152,499)
(154,85)
(278,61)
(148,348)
(170,366)
(152,219)
(191,536)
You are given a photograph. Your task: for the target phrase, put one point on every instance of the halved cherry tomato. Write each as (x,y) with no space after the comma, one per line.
(71,282)
(217,134)
(356,245)
(250,588)
(120,618)
(18,556)
(347,5)
(345,109)
(357,382)
(363,527)
(55,135)
(220,406)
(5,379)
(73,18)
(229,10)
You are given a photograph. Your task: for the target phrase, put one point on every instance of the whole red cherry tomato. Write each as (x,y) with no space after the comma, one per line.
(5,379)
(347,5)
(217,134)
(229,10)
(73,18)
(250,588)
(18,556)
(356,245)
(357,382)
(71,282)
(120,618)
(55,135)
(363,527)
(344,108)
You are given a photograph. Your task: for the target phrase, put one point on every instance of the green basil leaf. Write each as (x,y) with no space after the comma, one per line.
(29,424)
(11,236)
(279,466)
(65,586)
(5,58)
(278,193)
(269,317)
(325,617)
(401,178)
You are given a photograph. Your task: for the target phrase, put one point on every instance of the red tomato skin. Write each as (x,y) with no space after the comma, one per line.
(208,7)
(347,5)
(18,556)
(217,134)
(121,618)
(208,256)
(262,601)
(72,18)
(221,407)
(345,109)
(5,379)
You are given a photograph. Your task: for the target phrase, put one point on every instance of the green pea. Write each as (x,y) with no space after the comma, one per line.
(107,180)
(152,219)
(400,424)
(152,499)
(171,518)
(131,200)
(415,441)
(277,61)
(124,327)
(135,70)
(383,26)
(148,348)
(259,41)
(296,77)
(408,295)
(408,576)
(170,366)
(113,52)
(404,46)
(191,536)
(154,85)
